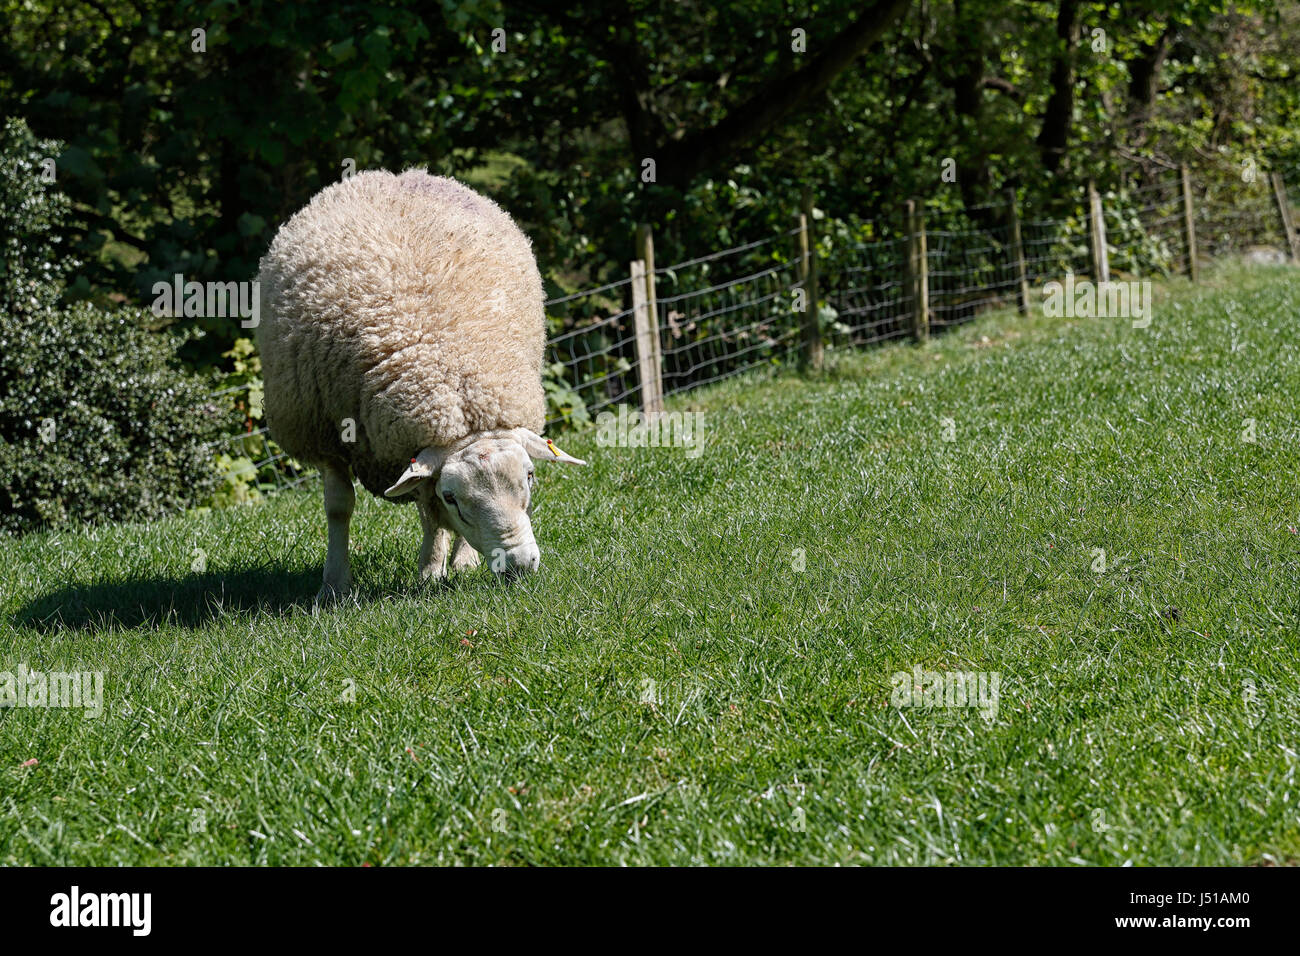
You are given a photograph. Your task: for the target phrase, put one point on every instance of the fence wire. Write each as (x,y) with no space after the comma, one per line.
(867,293)
(1239,217)
(590,359)
(728,312)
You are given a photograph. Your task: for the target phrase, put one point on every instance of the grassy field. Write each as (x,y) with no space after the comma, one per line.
(672,688)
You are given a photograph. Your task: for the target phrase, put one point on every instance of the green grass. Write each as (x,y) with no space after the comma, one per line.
(516,725)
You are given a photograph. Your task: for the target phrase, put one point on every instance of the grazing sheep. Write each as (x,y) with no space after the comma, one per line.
(401,341)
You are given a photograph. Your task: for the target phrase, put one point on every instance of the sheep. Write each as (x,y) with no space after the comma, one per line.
(401,339)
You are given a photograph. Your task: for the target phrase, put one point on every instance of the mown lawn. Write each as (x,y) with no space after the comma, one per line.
(670,689)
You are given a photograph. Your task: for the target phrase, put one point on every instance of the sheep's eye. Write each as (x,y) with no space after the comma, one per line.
(448,497)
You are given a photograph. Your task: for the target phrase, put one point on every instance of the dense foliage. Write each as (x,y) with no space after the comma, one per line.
(185,150)
(97,419)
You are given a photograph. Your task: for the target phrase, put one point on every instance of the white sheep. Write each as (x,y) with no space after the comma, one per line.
(401,338)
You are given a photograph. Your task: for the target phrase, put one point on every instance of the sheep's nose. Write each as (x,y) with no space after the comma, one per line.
(522,559)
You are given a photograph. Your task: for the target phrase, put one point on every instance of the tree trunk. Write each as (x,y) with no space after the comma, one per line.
(1055,132)
(1144,82)
(966,80)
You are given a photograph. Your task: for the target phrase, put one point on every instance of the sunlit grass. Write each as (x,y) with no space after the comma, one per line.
(671,690)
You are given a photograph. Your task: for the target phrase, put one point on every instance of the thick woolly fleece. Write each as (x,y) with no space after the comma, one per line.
(409,305)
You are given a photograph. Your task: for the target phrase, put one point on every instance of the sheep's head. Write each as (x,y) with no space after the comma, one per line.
(485,488)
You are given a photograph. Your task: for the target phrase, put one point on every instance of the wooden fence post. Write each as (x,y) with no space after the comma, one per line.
(645,250)
(647,328)
(1288,222)
(1018,253)
(1097,235)
(918,271)
(813,350)
(1189,226)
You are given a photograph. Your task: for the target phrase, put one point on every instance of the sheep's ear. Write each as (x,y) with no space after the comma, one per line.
(543,449)
(423,466)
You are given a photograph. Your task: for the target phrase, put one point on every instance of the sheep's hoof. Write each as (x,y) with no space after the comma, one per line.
(465,559)
(434,572)
(331,594)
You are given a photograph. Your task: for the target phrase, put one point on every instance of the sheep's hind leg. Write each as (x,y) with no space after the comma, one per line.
(433,549)
(464,556)
(340,500)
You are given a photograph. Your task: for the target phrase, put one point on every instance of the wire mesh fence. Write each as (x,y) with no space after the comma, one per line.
(970,271)
(728,312)
(869,299)
(251,460)
(732,311)
(590,361)
(1146,220)
(1239,216)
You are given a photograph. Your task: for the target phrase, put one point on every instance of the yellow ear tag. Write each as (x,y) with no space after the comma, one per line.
(551,445)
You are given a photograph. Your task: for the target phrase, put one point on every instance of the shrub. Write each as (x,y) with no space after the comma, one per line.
(33,254)
(564,404)
(249,464)
(97,422)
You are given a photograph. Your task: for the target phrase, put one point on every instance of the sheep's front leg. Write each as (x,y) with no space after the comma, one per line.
(340,500)
(463,555)
(434,547)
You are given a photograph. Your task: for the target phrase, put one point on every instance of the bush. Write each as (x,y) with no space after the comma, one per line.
(250,464)
(564,404)
(33,254)
(97,422)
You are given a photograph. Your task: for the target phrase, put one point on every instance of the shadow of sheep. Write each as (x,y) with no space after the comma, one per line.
(190,600)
